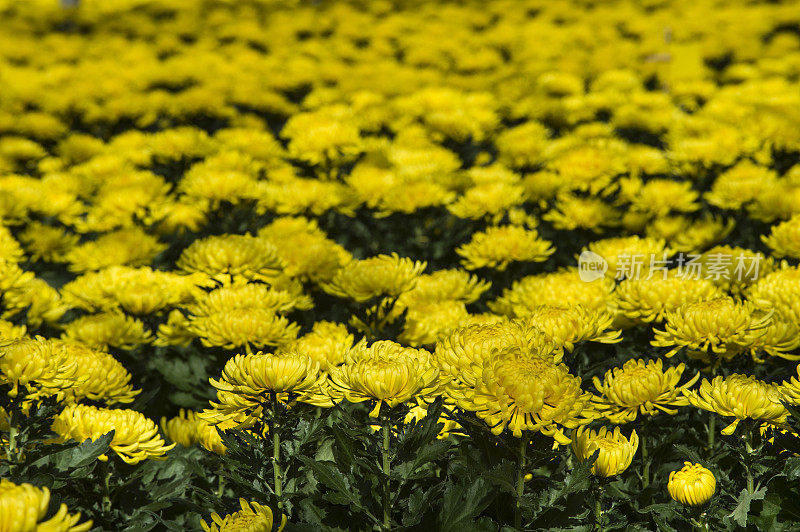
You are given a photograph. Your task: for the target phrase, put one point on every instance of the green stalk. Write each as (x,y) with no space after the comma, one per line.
(598,506)
(105,473)
(645,459)
(387,519)
(748,445)
(276,452)
(521,466)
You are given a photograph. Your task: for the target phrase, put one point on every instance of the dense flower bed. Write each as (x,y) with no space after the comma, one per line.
(411,265)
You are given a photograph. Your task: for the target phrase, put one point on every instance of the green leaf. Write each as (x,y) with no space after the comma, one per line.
(792,468)
(578,479)
(462,502)
(329,475)
(739,514)
(83,454)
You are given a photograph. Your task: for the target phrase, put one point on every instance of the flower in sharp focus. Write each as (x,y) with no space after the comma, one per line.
(41,366)
(386,372)
(384,275)
(692,485)
(741,397)
(712,330)
(616,451)
(498,246)
(527,393)
(253,517)
(249,380)
(462,355)
(640,387)
(24,508)
(135,436)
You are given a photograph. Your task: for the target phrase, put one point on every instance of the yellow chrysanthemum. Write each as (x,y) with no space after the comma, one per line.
(282,296)
(692,485)
(616,451)
(100,376)
(527,393)
(498,246)
(741,397)
(47,243)
(790,390)
(242,328)
(784,238)
(740,185)
(230,257)
(778,290)
(23,508)
(730,268)
(138,291)
(453,285)
(253,517)
(487,200)
(560,288)
(574,212)
(640,387)
(126,247)
(248,380)
(462,355)
(41,366)
(384,275)
(107,329)
(327,344)
(566,326)
(385,372)
(426,322)
(713,329)
(630,256)
(135,436)
(647,300)
(187,428)
(659,197)
(9,331)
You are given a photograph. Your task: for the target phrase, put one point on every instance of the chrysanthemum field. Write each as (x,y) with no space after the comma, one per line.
(399,265)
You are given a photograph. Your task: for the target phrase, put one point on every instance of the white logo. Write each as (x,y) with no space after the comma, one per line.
(591,266)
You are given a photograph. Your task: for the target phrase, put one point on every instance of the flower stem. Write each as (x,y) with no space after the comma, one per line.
(387,519)
(645,459)
(748,446)
(521,467)
(276,452)
(598,507)
(106,477)
(712,430)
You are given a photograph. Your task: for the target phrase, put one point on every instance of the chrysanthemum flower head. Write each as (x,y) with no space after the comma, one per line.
(248,380)
(107,329)
(778,290)
(135,436)
(383,275)
(428,321)
(524,392)
(715,329)
(327,344)
(641,387)
(452,285)
(100,376)
(575,212)
(230,257)
(616,451)
(784,238)
(659,197)
(740,185)
(625,254)
(498,246)
(128,247)
(25,507)
(253,517)
(487,200)
(740,397)
(41,366)
(692,485)
(566,326)
(386,372)
(647,300)
(560,288)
